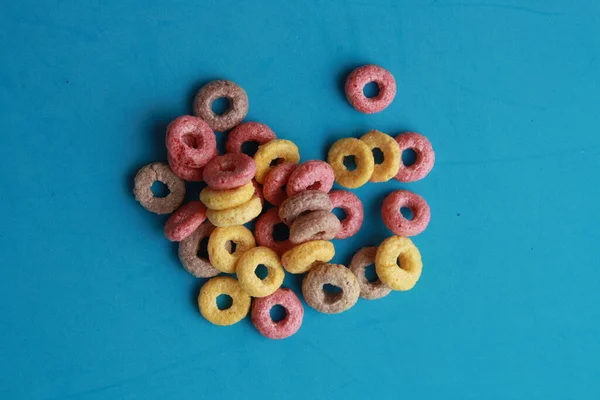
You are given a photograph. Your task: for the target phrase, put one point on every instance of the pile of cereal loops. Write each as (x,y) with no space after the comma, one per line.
(239,185)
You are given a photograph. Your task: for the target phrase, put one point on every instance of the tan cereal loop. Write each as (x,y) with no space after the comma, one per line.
(207,301)
(365,163)
(304,256)
(360,261)
(398,249)
(143,188)
(188,253)
(333,274)
(278,149)
(218,251)
(246,272)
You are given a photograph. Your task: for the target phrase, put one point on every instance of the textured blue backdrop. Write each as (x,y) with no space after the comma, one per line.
(94,304)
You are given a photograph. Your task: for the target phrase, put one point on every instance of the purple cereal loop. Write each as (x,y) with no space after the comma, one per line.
(316,225)
(143,188)
(360,261)
(301,203)
(221,89)
(188,253)
(333,274)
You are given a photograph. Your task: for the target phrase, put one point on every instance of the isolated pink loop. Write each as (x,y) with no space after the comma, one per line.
(392,216)
(248,132)
(311,175)
(185,221)
(425,157)
(363,75)
(353,208)
(261,314)
(191,142)
(229,171)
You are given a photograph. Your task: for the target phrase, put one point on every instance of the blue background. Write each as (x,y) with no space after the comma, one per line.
(94,303)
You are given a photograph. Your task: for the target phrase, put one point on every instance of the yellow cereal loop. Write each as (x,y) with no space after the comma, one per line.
(207,301)
(284,150)
(219,242)
(363,157)
(223,199)
(391,155)
(236,215)
(246,272)
(398,249)
(304,256)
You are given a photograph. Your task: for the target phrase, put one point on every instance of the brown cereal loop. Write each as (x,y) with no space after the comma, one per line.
(368,290)
(236,112)
(316,225)
(333,274)
(302,203)
(143,188)
(198,266)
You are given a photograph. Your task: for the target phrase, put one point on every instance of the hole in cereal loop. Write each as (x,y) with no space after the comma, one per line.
(159,189)
(224,301)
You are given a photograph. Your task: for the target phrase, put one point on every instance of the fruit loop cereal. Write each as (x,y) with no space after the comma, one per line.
(276,181)
(425,157)
(353,208)
(229,171)
(188,253)
(183,222)
(395,221)
(248,132)
(220,255)
(303,203)
(264,229)
(368,290)
(237,215)
(207,301)
(391,155)
(304,256)
(311,175)
(228,198)
(261,314)
(238,107)
(398,263)
(358,79)
(365,163)
(143,188)
(278,150)
(316,225)
(246,272)
(186,173)
(335,275)
(190,142)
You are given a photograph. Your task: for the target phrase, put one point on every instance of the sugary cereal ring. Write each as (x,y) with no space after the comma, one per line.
(311,175)
(258,191)
(246,272)
(186,173)
(207,301)
(368,290)
(248,132)
(425,157)
(229,171)
(236,215)
(188,253)
(261,314)
(365,163)
(316,225)
(263,232)
(218,252)
(398,263)
(190,142)
(275,182)
(395,221)
(279,150)
(391,155)
(307,255)
(238,107)
(143,188)
(303,203)
(183,222)
(332,274)
(228,198)
(356,83)
(353,209)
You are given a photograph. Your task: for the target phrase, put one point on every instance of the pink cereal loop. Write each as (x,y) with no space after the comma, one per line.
(258,191)
(263,232)
(186,173)
(261,314)
(393,219)
(311,175)
(248,132)
(425,157)
(353,208)
(229,171)
(359,78)
(183,222)
(276,179)
(191,142)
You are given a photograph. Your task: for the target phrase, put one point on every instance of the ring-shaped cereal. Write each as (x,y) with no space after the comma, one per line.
(276,179)
(264,229)
(246,272)
(186,173)
(395,221)
(158,172)
(248,132)
(425,157)
(303,203)
(218,246)
(189,247)
(391,155)
(311,175)
(307,255)
(238,104)
(363,156)
(207,301)
(360,261)
(261,314)
(229,171)
(398,263)
(316,225)
(355,84)
(190,142)
(236,215)
(183,222)
(228,198)
(332,274)
(353,208)
(276,150)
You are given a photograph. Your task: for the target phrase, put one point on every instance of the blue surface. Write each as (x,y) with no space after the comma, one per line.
(94,304)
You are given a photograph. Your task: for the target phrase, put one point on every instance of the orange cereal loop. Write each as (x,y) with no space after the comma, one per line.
(218,253)
(207,301)
(279,150)
(363,156)
(398,263)
(246,272)
(304,256)
(391,155)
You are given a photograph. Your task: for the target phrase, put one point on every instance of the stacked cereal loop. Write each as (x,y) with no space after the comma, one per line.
(238,186)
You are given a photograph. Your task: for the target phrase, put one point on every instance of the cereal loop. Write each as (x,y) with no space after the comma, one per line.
(236,112)
(248,132)
(275,181)
(395,221)
(316,225)
(365,163)
(186,173)
(304,256)
(276,150)
(303,203)
(236,215)
(425,157)
(246,272)
(190,142)
(143,188)
(332,274)
(207,301)
(391,155)
(228,198)
(311,175)
(229,171)
(261,314)
(183,222)
(398,263)
(368,290)
(188,253)
(263,231)
(218,251)
(356,82)
(353,209)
